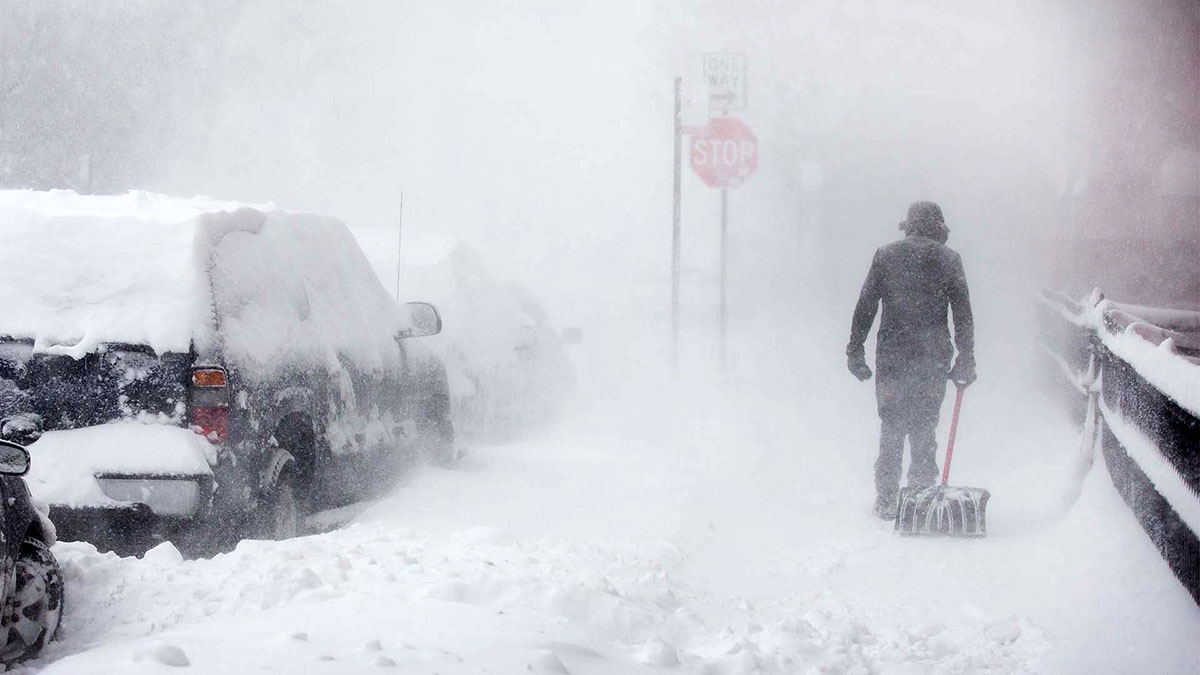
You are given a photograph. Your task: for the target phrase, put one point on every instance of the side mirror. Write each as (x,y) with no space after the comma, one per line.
(424,320)
(14,459)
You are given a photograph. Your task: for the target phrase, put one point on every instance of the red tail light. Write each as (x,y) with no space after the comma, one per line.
(211,422)
(210,403)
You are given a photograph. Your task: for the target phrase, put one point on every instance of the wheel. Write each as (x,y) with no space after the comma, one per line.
(284,510)
(282,513)
(437,440)
(34,608)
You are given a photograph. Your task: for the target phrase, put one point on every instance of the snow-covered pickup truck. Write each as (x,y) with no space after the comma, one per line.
(202,371)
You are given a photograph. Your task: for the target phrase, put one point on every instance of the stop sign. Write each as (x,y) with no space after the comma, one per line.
(724,153)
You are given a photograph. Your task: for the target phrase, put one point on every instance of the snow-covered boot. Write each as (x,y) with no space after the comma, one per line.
(885,508)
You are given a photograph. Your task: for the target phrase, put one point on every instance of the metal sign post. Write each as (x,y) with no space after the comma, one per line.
(675,226)
(724,154)
(724,266)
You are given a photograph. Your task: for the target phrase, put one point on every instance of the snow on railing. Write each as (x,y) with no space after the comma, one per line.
(1138,369)
(1171,319)
(1162,345)
(1164,474)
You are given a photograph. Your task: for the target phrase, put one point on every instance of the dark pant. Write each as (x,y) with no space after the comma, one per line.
(909,403)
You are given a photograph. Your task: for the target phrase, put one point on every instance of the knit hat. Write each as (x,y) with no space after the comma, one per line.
(925,218)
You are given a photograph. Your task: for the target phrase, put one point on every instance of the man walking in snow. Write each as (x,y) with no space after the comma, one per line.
(917,279)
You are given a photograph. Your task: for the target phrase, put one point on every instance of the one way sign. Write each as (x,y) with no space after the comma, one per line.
(725,75)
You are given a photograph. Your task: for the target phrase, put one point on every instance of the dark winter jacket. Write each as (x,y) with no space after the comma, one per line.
(917,279)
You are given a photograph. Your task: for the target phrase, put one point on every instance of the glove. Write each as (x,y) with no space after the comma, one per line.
(962,374)
(859,368)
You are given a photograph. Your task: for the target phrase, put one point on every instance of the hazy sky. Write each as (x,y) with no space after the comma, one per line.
(541,131)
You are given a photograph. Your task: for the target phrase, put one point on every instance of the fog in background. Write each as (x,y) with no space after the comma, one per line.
(541,132)
(1061,138)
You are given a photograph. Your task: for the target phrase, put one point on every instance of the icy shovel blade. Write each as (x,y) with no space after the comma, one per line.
(941,510)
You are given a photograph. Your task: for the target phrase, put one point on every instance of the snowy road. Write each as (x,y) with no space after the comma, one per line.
(661,529)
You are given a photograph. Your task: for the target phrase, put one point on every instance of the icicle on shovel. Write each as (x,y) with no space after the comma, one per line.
(942,510)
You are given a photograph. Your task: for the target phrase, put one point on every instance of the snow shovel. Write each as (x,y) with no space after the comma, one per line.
(942,510)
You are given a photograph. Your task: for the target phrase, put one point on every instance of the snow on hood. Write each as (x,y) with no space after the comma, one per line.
(64,464)
(82,270)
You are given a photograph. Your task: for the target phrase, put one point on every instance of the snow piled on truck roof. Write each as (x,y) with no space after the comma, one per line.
(259,285)
(80,270)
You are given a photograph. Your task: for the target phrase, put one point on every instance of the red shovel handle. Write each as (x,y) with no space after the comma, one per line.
(953,430)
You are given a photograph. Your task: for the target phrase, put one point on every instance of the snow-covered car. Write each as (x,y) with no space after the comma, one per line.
(32,592)
(508,365)
(200,370)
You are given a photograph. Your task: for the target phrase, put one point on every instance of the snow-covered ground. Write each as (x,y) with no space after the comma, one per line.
(684,527)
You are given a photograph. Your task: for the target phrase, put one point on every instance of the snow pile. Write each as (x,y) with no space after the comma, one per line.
(81,270)
(367,594)
(64,463)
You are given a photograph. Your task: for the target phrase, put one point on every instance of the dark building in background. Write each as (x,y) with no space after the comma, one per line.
(1131,204)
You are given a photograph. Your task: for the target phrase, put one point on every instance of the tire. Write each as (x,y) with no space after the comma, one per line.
(437,441)
(284,513)
(34,609)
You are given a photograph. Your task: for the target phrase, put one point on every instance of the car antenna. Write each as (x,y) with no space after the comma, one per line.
(399,247)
